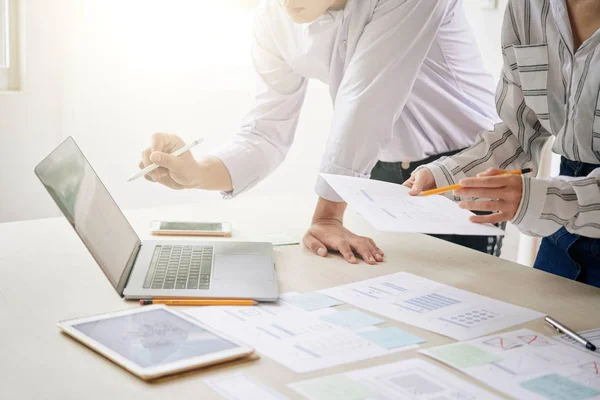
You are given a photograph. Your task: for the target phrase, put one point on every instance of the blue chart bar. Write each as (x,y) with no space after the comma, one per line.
(428,302)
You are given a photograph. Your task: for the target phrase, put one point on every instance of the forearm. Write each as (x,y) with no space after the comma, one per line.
(328,210)
(213,175)
(548,205)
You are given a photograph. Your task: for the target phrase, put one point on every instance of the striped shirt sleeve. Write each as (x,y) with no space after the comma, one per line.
(517,142)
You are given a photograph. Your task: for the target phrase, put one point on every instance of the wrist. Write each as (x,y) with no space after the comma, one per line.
(211,174)
(329,210)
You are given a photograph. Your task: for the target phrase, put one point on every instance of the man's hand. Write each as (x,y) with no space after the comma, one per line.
(183,172)
(327,232)
(175,172)
(420,181)
(502,195)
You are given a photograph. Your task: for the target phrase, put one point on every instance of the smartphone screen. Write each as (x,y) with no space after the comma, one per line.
(191,226)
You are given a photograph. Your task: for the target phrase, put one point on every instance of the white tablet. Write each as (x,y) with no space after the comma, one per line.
(154,341)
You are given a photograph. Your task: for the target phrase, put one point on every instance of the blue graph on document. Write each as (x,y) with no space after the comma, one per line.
(429,302)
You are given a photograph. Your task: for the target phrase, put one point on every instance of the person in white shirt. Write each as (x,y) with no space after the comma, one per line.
(550,86)
(407,83)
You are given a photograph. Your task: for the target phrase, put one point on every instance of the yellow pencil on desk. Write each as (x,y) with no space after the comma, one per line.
(153,166)
(457,186)
(199,302)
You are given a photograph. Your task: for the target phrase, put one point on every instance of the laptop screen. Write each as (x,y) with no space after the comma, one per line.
(89,208)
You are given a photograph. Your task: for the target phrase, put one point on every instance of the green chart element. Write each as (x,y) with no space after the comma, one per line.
(557,387)
(464,355)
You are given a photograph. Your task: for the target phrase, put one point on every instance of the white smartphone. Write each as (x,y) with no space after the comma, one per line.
(175,228)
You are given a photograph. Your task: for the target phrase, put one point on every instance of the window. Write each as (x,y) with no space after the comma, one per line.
(4,35)
(10,68)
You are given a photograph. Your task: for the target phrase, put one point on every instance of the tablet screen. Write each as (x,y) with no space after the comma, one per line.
(154,337)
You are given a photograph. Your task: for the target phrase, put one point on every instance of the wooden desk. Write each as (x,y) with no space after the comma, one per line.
(48,275)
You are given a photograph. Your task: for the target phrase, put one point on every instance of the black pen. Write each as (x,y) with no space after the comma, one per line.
(563,329)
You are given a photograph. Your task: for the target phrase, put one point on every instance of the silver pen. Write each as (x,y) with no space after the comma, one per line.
(573,335)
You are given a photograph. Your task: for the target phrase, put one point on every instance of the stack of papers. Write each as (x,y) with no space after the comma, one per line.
(389,208)
(304,334)
(433,306)
(526,365)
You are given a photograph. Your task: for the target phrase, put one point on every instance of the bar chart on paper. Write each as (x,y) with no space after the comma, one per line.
(431,305)
(388,207)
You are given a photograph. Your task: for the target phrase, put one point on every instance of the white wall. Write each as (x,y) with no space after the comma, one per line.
(31,120)
(112,72)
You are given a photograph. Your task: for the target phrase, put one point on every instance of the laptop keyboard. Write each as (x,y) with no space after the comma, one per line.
(180,267)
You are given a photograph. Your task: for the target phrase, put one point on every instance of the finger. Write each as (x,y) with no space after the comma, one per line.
(170,183)
(168,161)
(489,219)
(146,158)
(491,172)
(378,252)
(409,182)
(166,143)
(481,193)
(346,251)
(365,251)
(158,142)
(484,205)
(417,187)
(486,181)
(154,177)
(314,245)
(161,173)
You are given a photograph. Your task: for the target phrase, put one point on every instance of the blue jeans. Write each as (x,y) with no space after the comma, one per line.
(395,172)
(567,254)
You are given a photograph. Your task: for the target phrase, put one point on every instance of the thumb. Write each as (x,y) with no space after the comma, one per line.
(315,245)
(417,186)
(168,161)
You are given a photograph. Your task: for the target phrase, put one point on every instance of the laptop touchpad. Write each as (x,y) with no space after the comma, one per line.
(243,267)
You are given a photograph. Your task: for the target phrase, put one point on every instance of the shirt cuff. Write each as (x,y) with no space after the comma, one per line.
(235,160)
(532,203)
(325,191)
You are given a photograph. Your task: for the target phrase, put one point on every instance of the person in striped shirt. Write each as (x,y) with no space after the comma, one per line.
(550,86)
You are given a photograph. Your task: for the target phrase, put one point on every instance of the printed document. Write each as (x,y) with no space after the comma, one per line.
(302,340)
(430,305)
(593,336)
(407,380)
(389,208)
(525,365)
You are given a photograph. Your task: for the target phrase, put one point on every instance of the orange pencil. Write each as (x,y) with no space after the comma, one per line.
(457,186)
(199,302)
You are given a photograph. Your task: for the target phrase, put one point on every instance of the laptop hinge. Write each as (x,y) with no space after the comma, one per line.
(127,271)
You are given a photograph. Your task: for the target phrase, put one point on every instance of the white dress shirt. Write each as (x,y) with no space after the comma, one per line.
(547,88)
(406,79)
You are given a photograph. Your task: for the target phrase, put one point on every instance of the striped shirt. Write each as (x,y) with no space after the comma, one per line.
(547,88)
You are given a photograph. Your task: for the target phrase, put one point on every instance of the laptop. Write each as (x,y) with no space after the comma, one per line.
(151,269)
